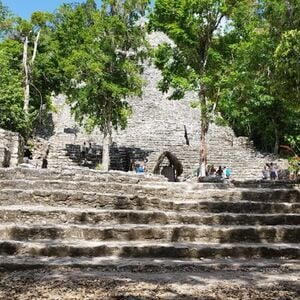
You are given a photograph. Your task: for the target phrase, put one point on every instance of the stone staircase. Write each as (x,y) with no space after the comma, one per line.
(78,217)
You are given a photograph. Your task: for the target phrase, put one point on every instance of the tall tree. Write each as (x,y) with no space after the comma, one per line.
(26,48)
(260,92)
(28,32)
(195,62)
(100,52)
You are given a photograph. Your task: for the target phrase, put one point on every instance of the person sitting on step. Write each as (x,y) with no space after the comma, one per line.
(227,172)
(219,172)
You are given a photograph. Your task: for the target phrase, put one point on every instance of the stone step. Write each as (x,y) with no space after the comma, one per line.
(145,265)
(233,206)
(158,233)
(60,248)
(170,190)
(267,184)
(291,195)
(118,201)
(78,174)
(58,215)
(83,186)
(65,198)
(138,185)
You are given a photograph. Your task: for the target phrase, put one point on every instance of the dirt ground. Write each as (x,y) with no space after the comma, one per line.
(72,283)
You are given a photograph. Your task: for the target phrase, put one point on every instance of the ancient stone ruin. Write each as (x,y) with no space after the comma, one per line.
(71,216)
(130,223)
(90,213)
(156,125)
(11,149)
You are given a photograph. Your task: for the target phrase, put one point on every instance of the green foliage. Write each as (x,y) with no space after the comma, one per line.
(99,52)
(294,140)
(43,72)
(99,167)
(249,66)
(197,61)
(260,90)
(294,165)
(3,12)
(287,63)
(4,23)
(11,90)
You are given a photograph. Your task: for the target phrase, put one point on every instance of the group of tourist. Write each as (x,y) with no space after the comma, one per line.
(88,151)
(221,172)
(270,171)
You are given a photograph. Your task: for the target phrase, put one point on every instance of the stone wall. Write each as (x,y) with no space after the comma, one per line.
(11,148)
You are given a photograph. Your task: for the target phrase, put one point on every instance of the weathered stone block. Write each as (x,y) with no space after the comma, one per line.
(11,148)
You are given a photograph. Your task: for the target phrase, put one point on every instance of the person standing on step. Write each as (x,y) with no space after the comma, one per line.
(266,172)
(273,174)
(83,153)
(212,170)
(90,149)
(224,172)
(140,168)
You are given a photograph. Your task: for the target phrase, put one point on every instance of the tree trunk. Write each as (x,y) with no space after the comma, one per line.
(276,146)
(203,98)
(106,146)
(36,41)
(203,133)
(26,67)
(26,81)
